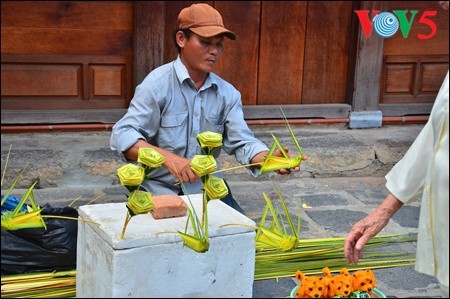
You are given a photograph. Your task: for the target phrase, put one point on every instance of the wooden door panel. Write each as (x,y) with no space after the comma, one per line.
(281,52)
(76,15)
(412,45)
(326,52)
(65,41)
(65,82)
(66,55)
(239,62)
(412,78)
(41,80)
(414,68)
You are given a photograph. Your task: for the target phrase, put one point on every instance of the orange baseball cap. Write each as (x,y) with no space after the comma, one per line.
(203,20)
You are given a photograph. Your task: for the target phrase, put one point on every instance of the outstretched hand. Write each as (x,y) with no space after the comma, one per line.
(361,232)
(365,229)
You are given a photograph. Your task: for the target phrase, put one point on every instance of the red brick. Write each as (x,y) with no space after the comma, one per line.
(168,206)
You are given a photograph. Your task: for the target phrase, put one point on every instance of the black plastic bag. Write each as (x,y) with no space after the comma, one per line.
(40,249)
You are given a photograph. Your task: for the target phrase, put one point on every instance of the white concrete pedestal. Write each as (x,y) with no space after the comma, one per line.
(151,260)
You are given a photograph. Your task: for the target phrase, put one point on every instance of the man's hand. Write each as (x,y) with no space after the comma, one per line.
(259,158)
(283,171)
(180,168)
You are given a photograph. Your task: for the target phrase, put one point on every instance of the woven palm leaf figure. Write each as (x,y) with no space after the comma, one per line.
(213,188)
(131,176)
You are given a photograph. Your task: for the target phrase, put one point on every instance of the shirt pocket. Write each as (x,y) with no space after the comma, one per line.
(172,133)
(214,124)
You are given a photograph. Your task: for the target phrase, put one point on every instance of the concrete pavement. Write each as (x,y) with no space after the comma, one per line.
(344,174)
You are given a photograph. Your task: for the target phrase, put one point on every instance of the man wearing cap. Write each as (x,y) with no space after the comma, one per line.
(183,98)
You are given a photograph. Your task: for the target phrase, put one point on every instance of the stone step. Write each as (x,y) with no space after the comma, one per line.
(68,165)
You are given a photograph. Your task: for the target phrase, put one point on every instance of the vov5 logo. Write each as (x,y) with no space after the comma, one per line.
(386,24)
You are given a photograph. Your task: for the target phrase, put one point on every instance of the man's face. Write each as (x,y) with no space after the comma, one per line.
(200,54)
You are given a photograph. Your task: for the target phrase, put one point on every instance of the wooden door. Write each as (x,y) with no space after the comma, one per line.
(286,52)
(78,55)
(413,67)
(89,55)
(66,54)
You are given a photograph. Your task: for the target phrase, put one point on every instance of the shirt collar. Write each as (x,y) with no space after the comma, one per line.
(182,74)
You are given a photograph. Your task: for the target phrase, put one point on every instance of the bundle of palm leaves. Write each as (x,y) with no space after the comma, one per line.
(312,255)
(58,284)
(280,251)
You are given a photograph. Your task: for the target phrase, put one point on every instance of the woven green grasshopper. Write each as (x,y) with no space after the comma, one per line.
(199,241)
(30,217)
(18,219)
(272,163)
(276,236)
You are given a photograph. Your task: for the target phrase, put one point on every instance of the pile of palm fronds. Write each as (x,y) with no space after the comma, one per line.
(58,284)
(280,251)
(312,255)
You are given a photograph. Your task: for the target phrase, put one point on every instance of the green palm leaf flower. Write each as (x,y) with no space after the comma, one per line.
(215,187)
(209,141)
(131,175)
(203,164)
(150,157)
(139,202)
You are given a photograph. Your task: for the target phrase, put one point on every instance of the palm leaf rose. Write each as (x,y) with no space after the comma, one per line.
(131,174)
(209,139)
(150,157)
(140,202)
(203,164)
